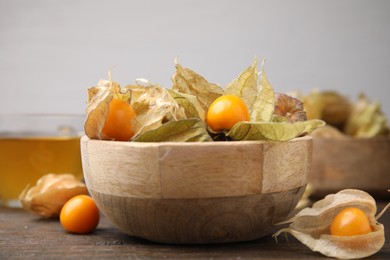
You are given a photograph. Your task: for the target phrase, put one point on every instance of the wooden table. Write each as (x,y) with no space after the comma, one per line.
(25,236)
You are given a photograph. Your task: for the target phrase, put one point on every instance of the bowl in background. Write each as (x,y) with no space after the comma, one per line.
(356,163)
(201,192)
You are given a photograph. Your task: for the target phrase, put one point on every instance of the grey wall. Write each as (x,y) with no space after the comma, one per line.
(52,51)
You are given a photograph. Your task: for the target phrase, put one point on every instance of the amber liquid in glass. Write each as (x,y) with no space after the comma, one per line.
(25,158)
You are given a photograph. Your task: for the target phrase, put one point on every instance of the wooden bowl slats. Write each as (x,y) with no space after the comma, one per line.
(196,170)
(199,221)
(214,192)
(121,170)
(223,172)
(284,164)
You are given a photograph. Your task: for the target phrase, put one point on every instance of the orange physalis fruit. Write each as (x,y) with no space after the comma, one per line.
(118,125)
(350,221)
(225,112)
(80,215)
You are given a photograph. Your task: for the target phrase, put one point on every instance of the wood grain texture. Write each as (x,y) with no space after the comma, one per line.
(284,165)
(213,192)
(25,236)
(198,221)
(221,170)
(119,169)
(351,163)
(195,170)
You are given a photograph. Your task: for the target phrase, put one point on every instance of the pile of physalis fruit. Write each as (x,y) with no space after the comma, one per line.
(345,118)
(195,110)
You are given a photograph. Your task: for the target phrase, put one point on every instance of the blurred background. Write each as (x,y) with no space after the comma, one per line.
(51,52)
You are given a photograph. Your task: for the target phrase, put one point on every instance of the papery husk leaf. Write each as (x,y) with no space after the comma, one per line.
(279,119)
(336,108)
(245,85)
(185,130)
(281,131)
(311,226)
(99,98)
(263,107)
(50,193)
(154,106)
(305,199)
(189,82)
(313,105)
(289,107)
(190,103)
(366,120)
(330,106)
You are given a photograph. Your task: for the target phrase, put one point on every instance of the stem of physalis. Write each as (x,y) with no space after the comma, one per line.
(383,210)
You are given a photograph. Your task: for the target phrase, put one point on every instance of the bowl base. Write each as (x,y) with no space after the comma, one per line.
(199,221)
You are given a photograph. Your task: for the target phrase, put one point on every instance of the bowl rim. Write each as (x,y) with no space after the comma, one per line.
(353,139)
(85,138)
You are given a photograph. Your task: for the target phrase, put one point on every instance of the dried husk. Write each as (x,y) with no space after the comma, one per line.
(336,108)
(305,199)
(274,131)
(190,104)
(289,108)
(329,106)
(366,120)
(188,81)
(263,106)
(185,130)
(99,98)
(50,193)
(361,119)
(152,104)
(154,107)
(245,85)
(313,105)
(311,226)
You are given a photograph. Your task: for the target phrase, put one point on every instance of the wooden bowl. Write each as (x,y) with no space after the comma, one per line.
(341,163)
(211,192)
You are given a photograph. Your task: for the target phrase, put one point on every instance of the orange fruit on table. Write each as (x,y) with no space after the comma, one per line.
(118,125)
(350,221)
(80,215)
(225,112)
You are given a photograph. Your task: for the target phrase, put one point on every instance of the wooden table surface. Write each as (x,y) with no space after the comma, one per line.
(25,236)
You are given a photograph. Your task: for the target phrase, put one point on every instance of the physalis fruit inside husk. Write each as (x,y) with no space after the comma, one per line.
(179,113)
(50,193)
(312,226)
(344,118)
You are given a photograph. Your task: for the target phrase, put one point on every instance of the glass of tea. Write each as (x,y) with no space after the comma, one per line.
(33,145)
